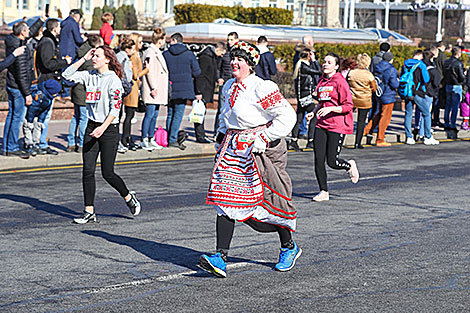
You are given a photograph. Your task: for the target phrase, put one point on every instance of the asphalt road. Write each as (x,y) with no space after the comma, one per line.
(398,241)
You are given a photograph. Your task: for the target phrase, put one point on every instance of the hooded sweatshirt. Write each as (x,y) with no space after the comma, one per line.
(103,93)
(334,91)
(182,67)
(420,76)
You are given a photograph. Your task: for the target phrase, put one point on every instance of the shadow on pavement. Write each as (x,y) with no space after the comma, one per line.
(178,255)
(51,208)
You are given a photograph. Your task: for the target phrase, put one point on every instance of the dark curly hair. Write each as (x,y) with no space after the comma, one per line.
(113,64)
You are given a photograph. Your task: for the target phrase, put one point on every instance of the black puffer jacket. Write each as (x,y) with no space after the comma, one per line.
(309,75)
(225,70)
(454,73)
(48,60)
(20,73)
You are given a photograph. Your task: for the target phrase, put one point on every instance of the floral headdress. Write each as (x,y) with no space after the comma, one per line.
(249,51)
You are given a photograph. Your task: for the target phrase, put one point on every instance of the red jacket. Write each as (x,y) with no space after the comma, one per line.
(334,91)
(106,32)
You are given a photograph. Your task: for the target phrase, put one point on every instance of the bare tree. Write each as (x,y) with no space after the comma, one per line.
(363,17)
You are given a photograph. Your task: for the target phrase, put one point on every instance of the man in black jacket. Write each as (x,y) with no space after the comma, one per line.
(49,63)
(225,73)
(19,79)
(205,83)
(454,78)
(441,100)
(267,62)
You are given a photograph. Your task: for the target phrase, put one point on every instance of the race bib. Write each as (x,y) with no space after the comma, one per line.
(324,93)
(93,94)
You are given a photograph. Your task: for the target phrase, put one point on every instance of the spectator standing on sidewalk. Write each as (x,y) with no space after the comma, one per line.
(50,65)
(334,121)
(205,83)
(182,67)
(441,101)
(78,93)
(362,84)
(128,48)
(18,85)
(267,63)
(106,31)
(384,47)
(454,78)
(132,100)
(104,92)
(155,86)
(388,73)
(70,38)
(307,73)
(225,73)
(432,91)
(420,78)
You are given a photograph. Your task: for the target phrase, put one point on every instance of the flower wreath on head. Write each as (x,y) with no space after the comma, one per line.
(248,48)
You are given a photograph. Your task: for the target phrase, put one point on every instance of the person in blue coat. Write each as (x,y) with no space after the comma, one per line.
(182,67)
(70,38)
(10,59)
(389,76)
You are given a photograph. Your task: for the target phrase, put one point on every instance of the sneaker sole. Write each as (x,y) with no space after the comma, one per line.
(82,223)
(320,200)
(137,209)
(293,263)
(204,264)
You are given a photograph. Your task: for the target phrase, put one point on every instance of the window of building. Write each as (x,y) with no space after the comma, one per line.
(272,3)
(85,5)
(255,3)
(315,13)
(169,4)
(237,2)
(150,6)
(290,5)
(25,5)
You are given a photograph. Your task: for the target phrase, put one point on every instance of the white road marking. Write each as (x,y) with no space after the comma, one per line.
(164,278)
(365,178)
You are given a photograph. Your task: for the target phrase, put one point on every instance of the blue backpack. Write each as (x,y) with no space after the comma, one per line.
(407,85)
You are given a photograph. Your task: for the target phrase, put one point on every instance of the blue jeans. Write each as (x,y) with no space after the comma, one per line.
(14,119)
(453,96)
(174,118)
(43,144)
(419,117)
(150,120)
(421,104)
(80,117)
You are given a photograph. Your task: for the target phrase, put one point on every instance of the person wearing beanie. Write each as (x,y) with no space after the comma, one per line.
(389,76)
(254,120)
(384,47)
(42,101)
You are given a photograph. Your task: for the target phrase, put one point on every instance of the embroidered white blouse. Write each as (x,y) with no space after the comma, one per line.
(254,102)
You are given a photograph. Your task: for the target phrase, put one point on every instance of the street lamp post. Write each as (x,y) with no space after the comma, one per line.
(387,13)
(345,13)
(351,14)
(439,20)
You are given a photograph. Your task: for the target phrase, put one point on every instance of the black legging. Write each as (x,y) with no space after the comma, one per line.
(361,121)
(328,146)
(301,111)
(225,227)
(106,146)
(126,126)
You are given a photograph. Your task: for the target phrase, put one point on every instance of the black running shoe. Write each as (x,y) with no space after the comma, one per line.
(87,217)
(133,204)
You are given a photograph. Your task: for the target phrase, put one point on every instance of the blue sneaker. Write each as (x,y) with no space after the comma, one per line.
(214,264)
(287,258)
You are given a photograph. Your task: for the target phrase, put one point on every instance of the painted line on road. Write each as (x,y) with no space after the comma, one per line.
(365,178)
(39,169)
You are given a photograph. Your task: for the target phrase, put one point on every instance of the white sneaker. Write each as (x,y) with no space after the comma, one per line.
(410,141)
(353,172)
(153,143)
(145,144)
(430,141)
(322,196)
(121,148)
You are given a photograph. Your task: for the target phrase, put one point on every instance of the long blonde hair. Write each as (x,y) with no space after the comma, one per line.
(363,61)
(304,56)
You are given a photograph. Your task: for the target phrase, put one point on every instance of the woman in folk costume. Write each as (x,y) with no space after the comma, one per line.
(249,182)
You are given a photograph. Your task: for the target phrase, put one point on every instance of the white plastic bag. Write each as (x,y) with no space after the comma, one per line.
(198,112)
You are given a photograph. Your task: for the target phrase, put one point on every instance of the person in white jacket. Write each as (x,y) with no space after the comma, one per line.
(249,182)
(103,101)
